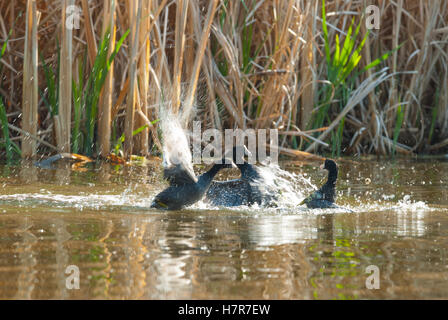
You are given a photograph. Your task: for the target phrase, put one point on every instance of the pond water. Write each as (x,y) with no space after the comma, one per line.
(97,218)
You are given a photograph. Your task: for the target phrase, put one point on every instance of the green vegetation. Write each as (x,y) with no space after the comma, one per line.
(86,101)
(341,64)
(10,147)
(310,71)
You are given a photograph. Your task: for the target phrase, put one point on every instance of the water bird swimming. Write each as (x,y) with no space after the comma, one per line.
(324,197)
(185,188)
(249,189)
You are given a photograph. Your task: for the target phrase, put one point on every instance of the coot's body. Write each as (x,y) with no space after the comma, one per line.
(232,193)
(325,196)
(185,189)
(248,190)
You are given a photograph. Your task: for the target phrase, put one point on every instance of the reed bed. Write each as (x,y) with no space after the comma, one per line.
(310,69)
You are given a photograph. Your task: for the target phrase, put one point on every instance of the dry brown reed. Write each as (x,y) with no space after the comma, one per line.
(235,64)
(106,99)
(134,20)
(63,129)
(30,81)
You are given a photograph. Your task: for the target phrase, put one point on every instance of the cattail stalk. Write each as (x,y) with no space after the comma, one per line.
(30,81)
(308,62)
(89,30)
(205,36)
(143,76)
(65,82)
(105,105)
(181,20)
(134,18)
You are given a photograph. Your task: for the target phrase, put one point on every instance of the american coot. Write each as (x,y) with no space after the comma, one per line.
(185,189)
(324,197)
(247,190)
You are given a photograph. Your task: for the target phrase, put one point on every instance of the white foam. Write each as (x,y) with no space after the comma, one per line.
(175,143)
(90,201)
(291,187)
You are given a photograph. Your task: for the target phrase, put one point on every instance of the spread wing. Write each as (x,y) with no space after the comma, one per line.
(317,195)
(179,174)
(230,193)
(177,160)
(250,173)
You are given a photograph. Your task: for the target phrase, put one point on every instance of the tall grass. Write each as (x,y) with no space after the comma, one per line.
(62,121)
(51,94)
(7,142)
(310,69)
(8,145)
(30,81)
(342,62)
(87,99)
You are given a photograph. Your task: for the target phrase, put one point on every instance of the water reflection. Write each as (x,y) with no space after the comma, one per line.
(98,221)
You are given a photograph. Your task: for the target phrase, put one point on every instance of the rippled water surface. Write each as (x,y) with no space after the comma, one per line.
(98,219)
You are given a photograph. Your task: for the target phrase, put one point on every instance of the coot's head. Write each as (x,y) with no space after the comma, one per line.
(329,165)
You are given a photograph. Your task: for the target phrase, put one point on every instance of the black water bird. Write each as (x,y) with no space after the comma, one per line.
(247,190)
(185,188)
(324,197)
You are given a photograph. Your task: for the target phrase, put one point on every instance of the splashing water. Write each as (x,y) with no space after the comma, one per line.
(288,188)
(175,143)
(291,187)
(78,202)
(104,221)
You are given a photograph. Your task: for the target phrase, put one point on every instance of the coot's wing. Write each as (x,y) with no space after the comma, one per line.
(250,173)
(177,160)
(317,195)
(262,184)
(179,174)
(229,193)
